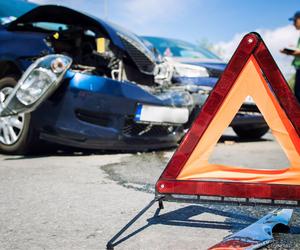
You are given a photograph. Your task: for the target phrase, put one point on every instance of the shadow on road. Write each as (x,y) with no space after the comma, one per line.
(236,218)
(234,138)
(183,217)
(61,152)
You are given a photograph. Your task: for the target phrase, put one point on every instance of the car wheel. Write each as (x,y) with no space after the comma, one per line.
(16,135)
(245,132)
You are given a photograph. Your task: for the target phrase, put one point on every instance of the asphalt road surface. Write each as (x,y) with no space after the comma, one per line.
(75,200)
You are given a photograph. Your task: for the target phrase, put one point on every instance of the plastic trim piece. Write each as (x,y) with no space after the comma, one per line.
(258,234)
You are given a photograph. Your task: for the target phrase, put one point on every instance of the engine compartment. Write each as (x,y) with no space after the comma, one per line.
(81,45)
(94,52)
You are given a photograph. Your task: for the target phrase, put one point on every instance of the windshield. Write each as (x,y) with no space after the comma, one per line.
(10,10)
(47,26)
(178,48)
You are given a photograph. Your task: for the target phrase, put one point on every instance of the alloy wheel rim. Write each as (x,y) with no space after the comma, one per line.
(11,127)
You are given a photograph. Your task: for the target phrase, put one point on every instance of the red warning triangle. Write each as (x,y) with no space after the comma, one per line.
(253,72)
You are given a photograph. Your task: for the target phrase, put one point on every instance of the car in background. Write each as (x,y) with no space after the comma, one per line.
(108,90)
(197,70)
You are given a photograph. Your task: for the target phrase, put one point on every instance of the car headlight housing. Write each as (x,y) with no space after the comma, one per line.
(33,87)
(39,81)
(188,70)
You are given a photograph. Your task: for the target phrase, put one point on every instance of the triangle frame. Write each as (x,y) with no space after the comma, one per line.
(253,49)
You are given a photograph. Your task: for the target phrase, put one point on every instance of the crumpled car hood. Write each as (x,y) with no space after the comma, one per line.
(64,15)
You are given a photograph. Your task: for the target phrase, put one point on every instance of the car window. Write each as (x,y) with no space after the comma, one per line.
(50,26)
(177,48)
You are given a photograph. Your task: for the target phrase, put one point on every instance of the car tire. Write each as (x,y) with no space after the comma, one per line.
(27,140)
(245,132)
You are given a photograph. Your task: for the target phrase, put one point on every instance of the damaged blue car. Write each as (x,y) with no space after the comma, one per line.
(73,79)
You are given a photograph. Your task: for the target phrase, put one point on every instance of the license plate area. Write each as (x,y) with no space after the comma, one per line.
(161,114)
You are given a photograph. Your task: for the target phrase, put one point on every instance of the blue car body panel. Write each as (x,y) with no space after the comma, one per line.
(108,86)
(17,46)
(108,106)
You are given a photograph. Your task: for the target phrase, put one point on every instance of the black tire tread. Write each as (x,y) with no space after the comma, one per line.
(250,132)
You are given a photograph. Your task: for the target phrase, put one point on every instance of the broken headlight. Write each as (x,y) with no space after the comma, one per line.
(187,70)
(33,87)
(39,81)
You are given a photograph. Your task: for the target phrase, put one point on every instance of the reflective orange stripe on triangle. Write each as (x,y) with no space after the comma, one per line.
(250,82)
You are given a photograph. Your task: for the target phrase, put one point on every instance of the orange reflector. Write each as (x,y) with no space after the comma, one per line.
(251,72)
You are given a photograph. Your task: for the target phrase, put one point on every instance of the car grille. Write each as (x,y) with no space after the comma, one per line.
(132,128)
(92,117)
(214,73)
(140,59)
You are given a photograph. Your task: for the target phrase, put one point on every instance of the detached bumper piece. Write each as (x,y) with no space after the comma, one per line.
(258,234)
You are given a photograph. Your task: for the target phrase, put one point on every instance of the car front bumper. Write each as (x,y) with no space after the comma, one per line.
(98,113)
(249,120)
